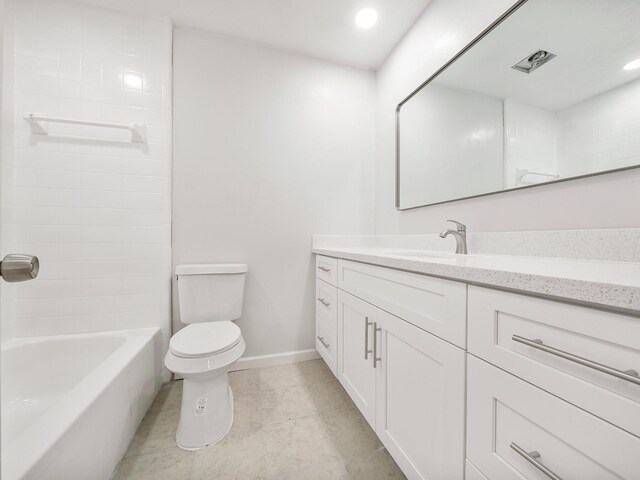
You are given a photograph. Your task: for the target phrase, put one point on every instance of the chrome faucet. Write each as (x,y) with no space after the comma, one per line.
(460,233)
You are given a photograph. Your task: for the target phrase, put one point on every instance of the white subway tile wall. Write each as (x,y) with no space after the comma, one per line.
(6,165)
(531,143)
(93,205)
(602,133)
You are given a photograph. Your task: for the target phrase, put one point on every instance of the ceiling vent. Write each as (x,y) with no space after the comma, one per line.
(533,61)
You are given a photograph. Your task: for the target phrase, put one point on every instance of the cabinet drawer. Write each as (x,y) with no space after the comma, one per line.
(327,298)
(499,322)
(326,338)
(327,269)
(504,413)
(435,305)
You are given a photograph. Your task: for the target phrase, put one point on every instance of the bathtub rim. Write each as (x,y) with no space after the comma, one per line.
(41,439)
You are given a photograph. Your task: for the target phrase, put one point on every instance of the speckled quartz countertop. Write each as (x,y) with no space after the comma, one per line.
(609,284)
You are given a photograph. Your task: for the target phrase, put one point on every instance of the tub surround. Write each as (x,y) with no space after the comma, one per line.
(92,205)
(610,279)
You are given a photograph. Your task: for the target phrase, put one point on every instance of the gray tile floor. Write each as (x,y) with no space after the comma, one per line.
(291,422)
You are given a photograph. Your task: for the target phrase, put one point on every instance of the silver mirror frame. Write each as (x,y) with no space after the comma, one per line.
(483,34)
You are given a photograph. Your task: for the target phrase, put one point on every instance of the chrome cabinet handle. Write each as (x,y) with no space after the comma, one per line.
(367,324)
(628,375)
(534,459)
(375,357)
(324,269)
(324,302)
(325,345)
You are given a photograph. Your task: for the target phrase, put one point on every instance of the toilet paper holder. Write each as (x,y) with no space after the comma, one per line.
(17,267)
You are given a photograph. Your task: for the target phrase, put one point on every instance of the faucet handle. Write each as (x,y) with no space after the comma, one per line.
(461,227)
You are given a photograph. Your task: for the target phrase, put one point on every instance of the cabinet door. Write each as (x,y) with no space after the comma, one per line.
(472,473)
(420,400)
(355,369)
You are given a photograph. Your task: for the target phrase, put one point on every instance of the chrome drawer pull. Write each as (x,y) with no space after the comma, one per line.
(367,323)
(376,358)
(325,345)
(324,269)
(534,459)
(324,302)
(628,375)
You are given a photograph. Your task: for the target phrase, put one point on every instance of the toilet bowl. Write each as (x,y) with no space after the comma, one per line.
(210,297)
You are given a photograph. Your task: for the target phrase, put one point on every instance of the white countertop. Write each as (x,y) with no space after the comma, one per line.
(609,284)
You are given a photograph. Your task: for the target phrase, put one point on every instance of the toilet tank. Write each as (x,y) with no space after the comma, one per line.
(210,292)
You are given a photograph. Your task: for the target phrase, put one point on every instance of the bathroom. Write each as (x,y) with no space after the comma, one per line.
(333,240)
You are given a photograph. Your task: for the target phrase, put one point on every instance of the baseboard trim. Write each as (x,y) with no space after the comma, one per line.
(275,359)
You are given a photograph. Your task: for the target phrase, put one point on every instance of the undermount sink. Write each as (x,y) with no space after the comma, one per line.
(399,252)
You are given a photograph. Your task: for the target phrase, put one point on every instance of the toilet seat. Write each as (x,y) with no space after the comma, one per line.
(199,340)
(196,366)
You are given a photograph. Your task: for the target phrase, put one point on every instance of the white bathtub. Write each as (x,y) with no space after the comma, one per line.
(71,403)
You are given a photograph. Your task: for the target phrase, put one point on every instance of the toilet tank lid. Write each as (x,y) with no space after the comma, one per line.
(210,268)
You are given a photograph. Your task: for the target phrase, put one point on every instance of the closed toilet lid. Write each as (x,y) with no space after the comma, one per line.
(203,339)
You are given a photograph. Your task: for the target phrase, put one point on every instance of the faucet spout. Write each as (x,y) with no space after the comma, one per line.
(460,234)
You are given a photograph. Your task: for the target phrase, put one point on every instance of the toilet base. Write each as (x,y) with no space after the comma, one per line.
(206,413)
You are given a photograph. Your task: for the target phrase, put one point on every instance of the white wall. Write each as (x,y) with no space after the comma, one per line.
(269,148)
(92,205)
(448,133)
(444,28)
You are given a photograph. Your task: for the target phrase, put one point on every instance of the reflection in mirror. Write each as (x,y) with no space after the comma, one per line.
(551,93)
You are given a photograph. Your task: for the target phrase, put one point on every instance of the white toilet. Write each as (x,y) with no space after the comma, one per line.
(210,298)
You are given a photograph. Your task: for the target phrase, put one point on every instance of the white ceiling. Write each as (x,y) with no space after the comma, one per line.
(320,28)
(593,40)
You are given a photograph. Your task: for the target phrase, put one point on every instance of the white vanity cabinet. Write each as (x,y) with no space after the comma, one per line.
(468,382)
(408,383)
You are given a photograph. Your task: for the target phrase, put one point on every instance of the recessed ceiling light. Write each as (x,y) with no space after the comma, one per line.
(632,65)
(366,18)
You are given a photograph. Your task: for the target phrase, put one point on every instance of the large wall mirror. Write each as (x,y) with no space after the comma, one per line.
(550,92)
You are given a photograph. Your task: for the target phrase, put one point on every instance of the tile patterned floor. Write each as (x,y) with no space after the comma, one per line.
(291,422)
